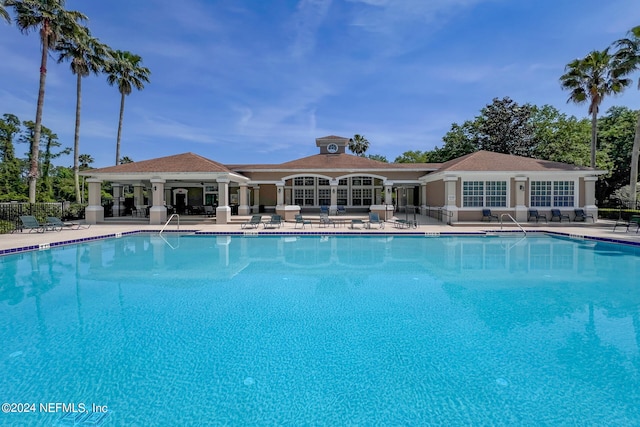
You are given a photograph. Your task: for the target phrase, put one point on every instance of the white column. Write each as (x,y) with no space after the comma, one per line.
(223,211)
(256,199)
(118,206)
(158,210)
(334,195)
(520,183)
(590,196)
(138,197)
(450,202)
(94,213)
(243,208)
(280,191)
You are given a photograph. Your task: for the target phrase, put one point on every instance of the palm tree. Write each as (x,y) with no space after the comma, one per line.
(628,60)
(590,79)
(85,160)
(358,145)
(3,12)
(125,70)
(53,23)
(86,55)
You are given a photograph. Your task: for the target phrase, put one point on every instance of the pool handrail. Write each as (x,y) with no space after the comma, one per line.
(169,220)
(512,219)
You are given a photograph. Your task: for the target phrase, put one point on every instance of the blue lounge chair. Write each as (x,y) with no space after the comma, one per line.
(301,220)
(341,210)
(533,213)
(275,221)
(55,222)
(324,210)
(486,214)
(30,223)
(556,214)
(357,223)
(254,222)
(374,219)
(325,221)
(581,215)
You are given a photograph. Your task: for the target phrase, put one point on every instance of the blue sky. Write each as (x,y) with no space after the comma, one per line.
(255,81)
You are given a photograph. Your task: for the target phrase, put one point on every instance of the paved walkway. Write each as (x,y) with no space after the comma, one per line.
(603,230)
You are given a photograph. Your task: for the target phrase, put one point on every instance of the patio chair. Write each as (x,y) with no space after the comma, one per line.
(634,220)
(209,211)
(357,223)
(533,213)
(374,219)
(55,222)
(325,221)
(341,210)
(275,221)
(324,210)
(581,215)
(555,213)
(301,220)
(254,222)
(30,223)
(486,214)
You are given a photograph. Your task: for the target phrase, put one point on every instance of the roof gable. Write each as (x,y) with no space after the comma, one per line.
(489,161)
(186,162)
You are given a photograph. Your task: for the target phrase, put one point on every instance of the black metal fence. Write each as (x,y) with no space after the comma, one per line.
(10,213)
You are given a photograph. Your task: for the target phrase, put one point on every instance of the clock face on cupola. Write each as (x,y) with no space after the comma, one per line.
(332,144)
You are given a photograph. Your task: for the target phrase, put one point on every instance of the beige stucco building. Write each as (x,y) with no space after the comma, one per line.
(455,191)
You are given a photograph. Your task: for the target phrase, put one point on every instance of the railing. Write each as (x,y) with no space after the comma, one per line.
(514,221)
(10,213)
(169,220)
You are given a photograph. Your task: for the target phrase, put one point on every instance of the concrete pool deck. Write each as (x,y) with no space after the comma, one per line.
(25,241)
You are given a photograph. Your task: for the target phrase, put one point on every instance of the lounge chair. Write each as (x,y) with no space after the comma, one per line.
(301,220)
(325,221)
(374,219)
(401,223)
(581,215)
(275,221)
(341,210)
(254,222)
(486,214)
(55,222)
(533,213)
(209,211)
(30,223)
(634,220)
(555,213)
(324,210)
(357,223)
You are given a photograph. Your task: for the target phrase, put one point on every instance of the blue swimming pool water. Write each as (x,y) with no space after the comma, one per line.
(318,330)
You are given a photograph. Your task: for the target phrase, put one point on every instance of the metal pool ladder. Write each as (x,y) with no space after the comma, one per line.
(514,221)
(169,220)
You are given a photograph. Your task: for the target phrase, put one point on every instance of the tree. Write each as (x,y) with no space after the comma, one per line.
(627,59)
(11,168)
(126,159)
(3,12)
(505,127)
(85,160)
(53,23)
(590,79)
(125,70)
(86,55)
(411,156)
(378,157)
(358,145)
(48,141)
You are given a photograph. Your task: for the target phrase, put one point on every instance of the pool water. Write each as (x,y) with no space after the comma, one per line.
(324,330)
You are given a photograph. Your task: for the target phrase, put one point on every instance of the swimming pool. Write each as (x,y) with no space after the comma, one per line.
(324,330)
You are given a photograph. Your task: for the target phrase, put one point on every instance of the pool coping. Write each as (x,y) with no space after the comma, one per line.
(301,232)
